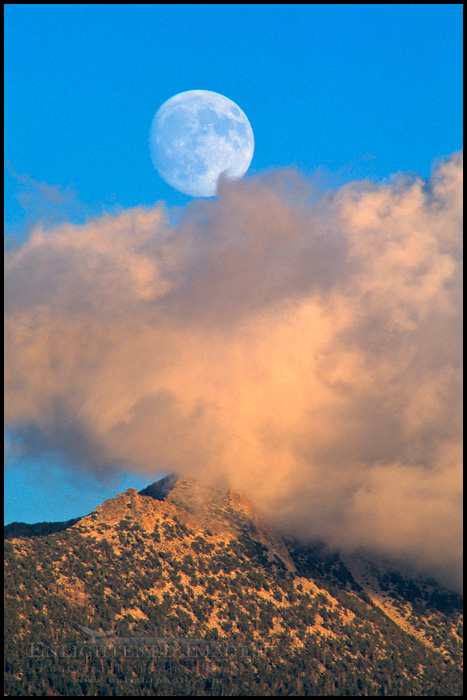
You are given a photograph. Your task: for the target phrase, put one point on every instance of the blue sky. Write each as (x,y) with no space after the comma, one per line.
(353,90)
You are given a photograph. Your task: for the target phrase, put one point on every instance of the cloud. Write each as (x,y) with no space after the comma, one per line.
(39,201)
(305,350)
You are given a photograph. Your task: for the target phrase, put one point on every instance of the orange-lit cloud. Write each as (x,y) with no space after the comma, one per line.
(307,354)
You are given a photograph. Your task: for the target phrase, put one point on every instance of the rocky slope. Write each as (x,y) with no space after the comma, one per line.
(184,589)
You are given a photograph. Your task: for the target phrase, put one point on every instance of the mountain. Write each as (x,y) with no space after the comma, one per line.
(184,589)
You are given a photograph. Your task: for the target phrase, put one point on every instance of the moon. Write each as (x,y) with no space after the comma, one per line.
(195,137)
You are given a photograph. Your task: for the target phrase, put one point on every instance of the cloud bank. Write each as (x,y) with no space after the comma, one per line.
(308,355)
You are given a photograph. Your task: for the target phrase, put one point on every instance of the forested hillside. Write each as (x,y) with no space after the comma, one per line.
(184,590)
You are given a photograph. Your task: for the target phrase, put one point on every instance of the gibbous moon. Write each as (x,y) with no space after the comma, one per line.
(195,137)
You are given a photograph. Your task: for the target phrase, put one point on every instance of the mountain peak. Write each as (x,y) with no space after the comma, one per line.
(223,513)
(161,488)
(222,510)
